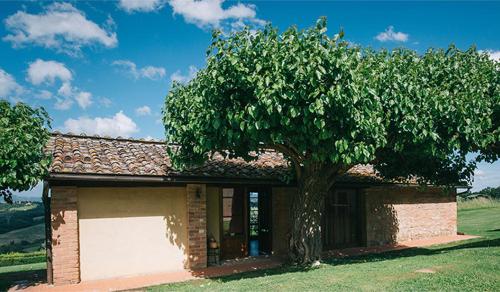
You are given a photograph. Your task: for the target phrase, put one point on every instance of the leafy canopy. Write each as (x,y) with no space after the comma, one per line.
(23,135)
(320,100)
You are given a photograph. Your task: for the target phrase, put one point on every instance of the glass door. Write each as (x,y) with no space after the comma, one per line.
(259,222)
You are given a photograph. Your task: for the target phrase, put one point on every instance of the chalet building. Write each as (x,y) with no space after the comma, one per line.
(118,208)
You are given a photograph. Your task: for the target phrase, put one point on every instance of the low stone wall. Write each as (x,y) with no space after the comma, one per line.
(395,214)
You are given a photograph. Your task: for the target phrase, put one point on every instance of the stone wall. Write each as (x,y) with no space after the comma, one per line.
(395,214)
(65,245)
(197,225)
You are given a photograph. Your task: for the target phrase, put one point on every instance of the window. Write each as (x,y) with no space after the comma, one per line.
(232,212)
(254,213)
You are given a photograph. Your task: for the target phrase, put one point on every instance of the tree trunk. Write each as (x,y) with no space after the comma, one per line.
(305,244)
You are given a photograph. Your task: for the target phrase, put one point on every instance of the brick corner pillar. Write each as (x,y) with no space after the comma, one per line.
(196,226)
(65,239)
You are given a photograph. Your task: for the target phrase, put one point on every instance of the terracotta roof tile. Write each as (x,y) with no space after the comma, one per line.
(101,155)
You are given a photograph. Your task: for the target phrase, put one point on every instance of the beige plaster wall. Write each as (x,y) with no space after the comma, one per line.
(131,231)
(213,212)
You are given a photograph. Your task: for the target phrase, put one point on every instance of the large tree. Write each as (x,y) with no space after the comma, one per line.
(328,105)
(24,132)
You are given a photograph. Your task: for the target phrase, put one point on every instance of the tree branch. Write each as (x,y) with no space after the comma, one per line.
(286,150)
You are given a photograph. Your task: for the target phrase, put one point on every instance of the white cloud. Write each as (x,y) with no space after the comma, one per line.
(8,85)
(141,5)
(486,175)
(42,71)
(153,73)
(143,111)
(211,14)
(84,99)
(44,94)
(494,55)
(60,26)
(150,72)
(178,77)
(63,104)
(47,72)
(479,173)
(390,35)
(105,102)
(117,125)
(65,90)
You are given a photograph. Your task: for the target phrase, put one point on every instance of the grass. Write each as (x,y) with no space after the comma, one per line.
(18,258)
(469,265)
(21,267)
(478,203)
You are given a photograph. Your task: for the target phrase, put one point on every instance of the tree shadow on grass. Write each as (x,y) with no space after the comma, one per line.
(388,255)
(411,252)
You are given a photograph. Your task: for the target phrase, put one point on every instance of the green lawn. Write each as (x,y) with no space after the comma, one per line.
(468,265)
(25,268)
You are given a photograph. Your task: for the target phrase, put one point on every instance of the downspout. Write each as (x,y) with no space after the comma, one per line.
(48,231)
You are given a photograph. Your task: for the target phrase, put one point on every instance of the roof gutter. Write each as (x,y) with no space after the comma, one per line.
(168,180)
(77,177)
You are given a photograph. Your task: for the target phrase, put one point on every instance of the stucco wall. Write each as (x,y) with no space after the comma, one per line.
(281,207)
(395,214)
(213,212)
(130,231)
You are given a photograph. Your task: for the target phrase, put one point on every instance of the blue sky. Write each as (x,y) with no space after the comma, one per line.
(104,67)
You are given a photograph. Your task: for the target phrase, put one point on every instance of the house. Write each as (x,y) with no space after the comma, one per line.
(117,208)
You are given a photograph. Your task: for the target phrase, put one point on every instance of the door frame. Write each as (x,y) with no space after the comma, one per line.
(246,213)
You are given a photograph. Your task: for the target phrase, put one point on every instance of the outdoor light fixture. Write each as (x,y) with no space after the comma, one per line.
(198,193)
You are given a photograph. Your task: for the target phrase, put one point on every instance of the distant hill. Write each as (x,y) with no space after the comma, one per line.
(24,198)
(21,226)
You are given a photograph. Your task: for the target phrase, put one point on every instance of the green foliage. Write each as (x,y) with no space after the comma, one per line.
(24,132)
(491,192)
(17,258)
(320,100)
(486,192)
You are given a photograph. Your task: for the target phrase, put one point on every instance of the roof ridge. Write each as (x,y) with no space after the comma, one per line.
(108,138)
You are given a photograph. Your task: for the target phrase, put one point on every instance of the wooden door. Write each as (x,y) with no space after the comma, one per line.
(233,244)
(341,223)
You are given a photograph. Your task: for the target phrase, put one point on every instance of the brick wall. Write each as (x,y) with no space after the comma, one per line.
(65,245)
(395,214)
(197,226)
(282,198)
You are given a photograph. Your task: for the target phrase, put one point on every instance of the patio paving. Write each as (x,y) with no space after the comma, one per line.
(227,268)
